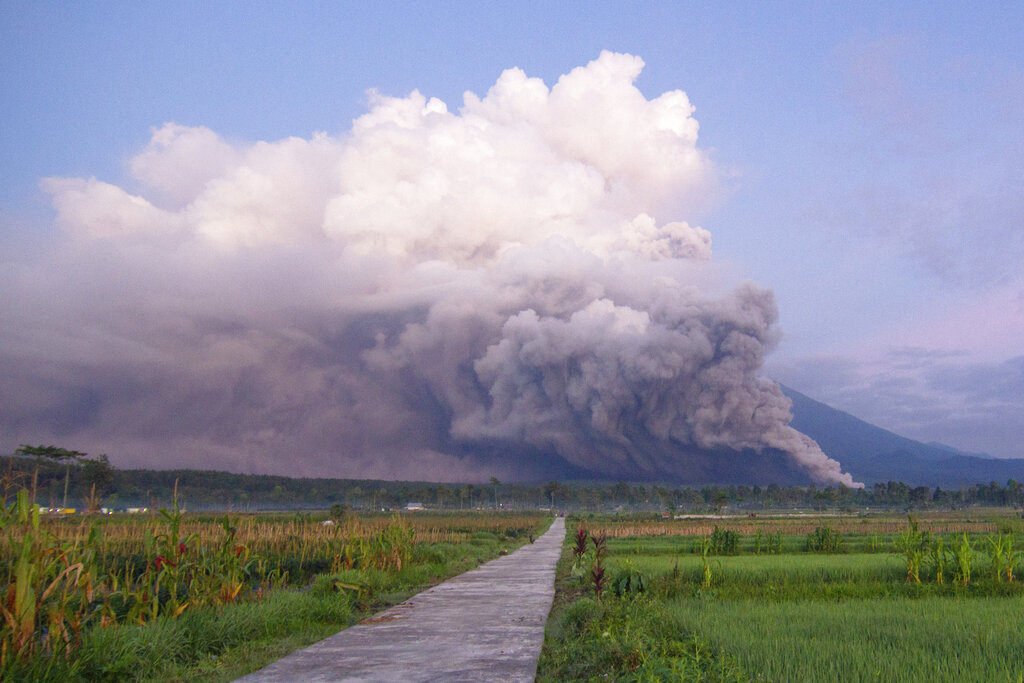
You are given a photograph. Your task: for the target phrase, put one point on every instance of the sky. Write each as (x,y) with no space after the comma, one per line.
(184,285)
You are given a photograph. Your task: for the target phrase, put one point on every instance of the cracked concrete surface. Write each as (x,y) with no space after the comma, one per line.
(484,625)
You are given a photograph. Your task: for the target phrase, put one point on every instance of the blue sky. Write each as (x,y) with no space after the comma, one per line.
(868,156)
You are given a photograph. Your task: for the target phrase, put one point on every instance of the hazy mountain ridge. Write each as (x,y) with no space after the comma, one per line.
(872,454)
(957,451)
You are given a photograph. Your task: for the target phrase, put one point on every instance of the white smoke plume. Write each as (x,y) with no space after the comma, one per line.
(508,289)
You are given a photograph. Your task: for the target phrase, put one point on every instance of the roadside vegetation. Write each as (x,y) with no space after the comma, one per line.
(176,596)
(779,599)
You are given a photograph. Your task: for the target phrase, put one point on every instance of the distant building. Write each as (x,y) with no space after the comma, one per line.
(414,506)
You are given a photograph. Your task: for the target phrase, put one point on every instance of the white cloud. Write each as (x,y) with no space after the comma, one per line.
(180,160)
(91,208)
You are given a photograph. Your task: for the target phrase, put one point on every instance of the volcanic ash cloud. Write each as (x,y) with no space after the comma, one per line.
(507,289)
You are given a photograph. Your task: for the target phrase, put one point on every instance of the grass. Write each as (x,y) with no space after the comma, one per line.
(849,615)
(639,639)
(876,639)
(174,649)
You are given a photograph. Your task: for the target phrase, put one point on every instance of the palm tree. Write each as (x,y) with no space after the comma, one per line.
(495,483)
(56,454)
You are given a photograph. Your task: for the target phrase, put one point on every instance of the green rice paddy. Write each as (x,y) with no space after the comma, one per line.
(793,615)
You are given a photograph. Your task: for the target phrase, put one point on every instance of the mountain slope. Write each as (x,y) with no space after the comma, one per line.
(872,454)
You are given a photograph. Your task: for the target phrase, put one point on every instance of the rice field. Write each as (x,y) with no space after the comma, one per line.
(674,605)
(949,638)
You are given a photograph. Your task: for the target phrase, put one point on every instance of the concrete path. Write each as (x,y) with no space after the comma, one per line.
(484,625)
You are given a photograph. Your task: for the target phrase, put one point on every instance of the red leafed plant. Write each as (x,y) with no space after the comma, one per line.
(581,542)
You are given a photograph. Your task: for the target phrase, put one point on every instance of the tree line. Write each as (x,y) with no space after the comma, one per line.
(65,478)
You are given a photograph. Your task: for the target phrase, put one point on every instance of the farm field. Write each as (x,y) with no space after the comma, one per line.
(788,599)
(176,596)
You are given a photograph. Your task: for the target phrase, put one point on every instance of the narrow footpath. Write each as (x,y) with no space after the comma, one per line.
(484,625)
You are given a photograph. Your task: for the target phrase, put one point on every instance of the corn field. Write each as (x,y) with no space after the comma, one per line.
(60,577)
